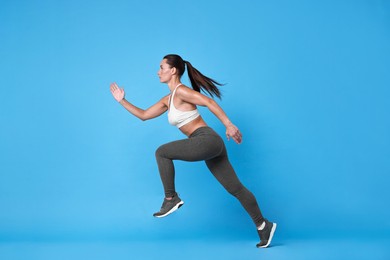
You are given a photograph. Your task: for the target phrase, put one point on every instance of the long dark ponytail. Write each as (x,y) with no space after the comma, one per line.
(198,80)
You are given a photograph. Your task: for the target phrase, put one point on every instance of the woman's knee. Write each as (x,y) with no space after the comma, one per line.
(160,151)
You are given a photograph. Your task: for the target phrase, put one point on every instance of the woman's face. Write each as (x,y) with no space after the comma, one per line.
(165,72)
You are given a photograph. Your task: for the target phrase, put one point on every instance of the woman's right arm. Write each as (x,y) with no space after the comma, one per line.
(154,111)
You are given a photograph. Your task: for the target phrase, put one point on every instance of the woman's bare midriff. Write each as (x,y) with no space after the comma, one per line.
(189,128)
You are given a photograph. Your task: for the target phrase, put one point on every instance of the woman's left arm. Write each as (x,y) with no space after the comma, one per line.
(196,98)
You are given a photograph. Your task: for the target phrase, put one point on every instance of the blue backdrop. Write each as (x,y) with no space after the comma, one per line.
(307,84)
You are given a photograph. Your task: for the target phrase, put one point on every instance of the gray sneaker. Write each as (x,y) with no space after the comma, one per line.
(266,234)
(169,206)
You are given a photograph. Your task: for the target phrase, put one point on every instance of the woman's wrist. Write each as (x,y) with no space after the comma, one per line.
(121,101)
(228,124)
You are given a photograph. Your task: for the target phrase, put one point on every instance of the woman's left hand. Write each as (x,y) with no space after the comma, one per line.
(233,132)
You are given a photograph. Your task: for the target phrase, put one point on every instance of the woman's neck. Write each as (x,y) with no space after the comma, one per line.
(173,84)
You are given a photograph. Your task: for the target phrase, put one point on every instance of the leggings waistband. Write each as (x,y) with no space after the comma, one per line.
(204,130)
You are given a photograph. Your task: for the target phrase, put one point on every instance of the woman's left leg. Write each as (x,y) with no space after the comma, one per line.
(225,174)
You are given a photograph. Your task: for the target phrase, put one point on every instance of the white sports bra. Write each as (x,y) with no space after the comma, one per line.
(179,118)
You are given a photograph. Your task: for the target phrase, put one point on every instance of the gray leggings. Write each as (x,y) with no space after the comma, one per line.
(205,145)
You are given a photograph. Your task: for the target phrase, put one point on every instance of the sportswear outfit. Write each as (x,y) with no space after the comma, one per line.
(204,144)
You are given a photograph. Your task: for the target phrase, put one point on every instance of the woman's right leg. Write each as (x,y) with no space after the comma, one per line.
(193,149)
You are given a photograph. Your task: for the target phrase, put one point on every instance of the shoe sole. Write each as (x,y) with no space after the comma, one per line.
(176,207)
(270,235)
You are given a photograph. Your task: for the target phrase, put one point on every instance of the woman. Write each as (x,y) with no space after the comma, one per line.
(202,142)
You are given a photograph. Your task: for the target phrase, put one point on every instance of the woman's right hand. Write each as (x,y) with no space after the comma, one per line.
(117,93)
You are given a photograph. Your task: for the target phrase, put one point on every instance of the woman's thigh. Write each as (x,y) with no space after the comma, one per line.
(197,148)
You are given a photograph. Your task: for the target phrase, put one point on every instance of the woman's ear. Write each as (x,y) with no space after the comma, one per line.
(173,71)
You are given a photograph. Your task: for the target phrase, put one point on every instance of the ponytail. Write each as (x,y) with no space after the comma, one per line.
(199,82)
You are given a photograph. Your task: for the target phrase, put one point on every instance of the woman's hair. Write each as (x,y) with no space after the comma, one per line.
(198,80)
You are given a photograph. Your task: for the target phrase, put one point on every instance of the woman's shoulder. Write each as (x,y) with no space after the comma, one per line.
(165,99)
(184,90)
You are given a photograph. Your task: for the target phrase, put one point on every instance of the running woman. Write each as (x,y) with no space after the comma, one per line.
(202,142)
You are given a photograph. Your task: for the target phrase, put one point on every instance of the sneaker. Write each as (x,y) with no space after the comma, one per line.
(169,206)
(266,234)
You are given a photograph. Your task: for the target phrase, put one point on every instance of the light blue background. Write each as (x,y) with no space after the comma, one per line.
(307,84)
